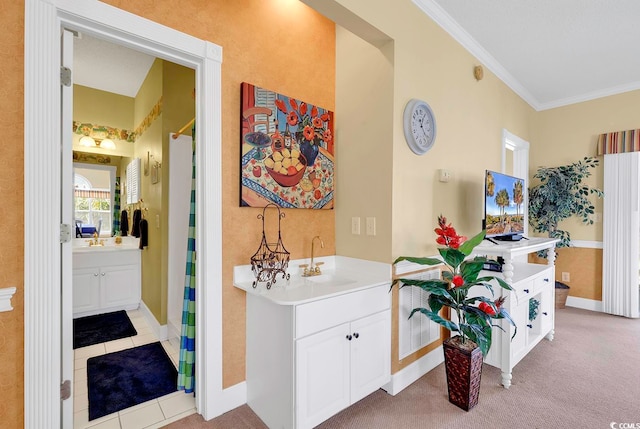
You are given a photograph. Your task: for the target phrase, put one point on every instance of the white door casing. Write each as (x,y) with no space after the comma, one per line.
(46,296)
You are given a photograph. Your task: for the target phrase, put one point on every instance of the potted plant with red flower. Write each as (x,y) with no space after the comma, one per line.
(471,317)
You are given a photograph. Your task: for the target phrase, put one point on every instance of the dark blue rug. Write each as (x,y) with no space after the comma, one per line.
(101,328)
(129,377)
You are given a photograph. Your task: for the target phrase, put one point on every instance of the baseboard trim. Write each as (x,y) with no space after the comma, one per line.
(586,304)
(234,396)
(161,331)
(403,378)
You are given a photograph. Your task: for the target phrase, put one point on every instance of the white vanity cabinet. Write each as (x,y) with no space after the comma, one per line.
(530,282)
(315,349)
(105,281)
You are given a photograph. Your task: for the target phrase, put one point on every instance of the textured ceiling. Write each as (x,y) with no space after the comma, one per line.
(109,67)
(551,52)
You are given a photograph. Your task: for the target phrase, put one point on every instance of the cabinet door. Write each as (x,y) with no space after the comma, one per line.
(86,289)
(547,307)
(120,285)
(322,375)
(370,354)
(520,316)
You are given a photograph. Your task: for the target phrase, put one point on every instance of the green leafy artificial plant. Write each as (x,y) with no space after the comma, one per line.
(560,195)
(475,314)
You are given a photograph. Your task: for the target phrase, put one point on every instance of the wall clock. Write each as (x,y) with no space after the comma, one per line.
(419,126)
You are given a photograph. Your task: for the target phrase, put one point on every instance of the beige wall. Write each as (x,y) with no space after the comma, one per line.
(364,167)
(151,194)
(422,62)
(567,134)
(98,107)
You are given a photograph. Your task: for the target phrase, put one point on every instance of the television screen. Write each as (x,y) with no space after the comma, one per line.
(504,204)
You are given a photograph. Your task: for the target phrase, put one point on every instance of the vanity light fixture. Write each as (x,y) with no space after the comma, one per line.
(106,144)
(87,141)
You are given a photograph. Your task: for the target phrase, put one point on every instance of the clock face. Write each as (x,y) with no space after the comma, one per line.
(419,126)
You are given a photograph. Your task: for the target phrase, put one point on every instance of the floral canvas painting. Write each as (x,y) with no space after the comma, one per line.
(287,151)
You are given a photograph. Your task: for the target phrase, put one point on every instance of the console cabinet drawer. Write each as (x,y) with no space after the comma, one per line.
(326,313)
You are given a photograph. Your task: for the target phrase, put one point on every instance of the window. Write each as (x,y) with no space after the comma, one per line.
(92,206)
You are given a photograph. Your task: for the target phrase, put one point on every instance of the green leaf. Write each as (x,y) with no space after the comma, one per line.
(453,257)
(500,281)
(470,269)
(467,247)
(436,318)
(434,286)
(421,261)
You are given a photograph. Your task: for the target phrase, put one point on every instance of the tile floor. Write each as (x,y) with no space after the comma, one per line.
(148,415)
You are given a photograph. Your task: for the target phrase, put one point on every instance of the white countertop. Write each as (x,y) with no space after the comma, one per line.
(340,275)
(81,245)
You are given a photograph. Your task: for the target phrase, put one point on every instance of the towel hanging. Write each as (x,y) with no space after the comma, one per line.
(144,233)
(135,227)
(124,223)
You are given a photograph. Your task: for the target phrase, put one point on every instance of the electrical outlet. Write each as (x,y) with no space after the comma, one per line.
(371,226)
(566,277)
(355,225)
(444,175)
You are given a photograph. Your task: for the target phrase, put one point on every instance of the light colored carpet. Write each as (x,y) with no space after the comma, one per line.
(588,377)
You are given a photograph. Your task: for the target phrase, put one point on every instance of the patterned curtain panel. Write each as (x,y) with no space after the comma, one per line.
(116,208)
(186,366)
(619,142)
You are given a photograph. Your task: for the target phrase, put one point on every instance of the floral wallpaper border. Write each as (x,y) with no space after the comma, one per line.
(107,132)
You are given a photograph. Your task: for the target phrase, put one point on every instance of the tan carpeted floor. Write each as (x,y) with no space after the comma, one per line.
(587,378)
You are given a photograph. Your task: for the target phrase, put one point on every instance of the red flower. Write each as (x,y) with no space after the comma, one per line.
(281,106)
(293,104)
(308,132)
(314,111)
(488,309)
(303,108)
(447,235)
(326,136)
(458,281)
(325,117)
(317,122)
(292,119)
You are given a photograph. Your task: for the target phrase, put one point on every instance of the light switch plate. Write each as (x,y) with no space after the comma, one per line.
(371,226)
(355,225)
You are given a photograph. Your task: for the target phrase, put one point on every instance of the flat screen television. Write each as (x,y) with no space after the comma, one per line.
(504,206)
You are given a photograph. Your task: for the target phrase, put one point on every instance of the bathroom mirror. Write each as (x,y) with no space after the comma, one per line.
(93,199)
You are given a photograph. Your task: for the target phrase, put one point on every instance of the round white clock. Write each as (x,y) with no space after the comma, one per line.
(419,126)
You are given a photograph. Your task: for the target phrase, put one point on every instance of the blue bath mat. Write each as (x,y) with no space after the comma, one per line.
(129,377)
(101,328)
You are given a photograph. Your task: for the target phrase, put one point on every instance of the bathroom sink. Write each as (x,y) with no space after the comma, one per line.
(330,280)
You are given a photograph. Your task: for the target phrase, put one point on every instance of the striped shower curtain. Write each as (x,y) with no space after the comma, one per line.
(186,367)
(116,209)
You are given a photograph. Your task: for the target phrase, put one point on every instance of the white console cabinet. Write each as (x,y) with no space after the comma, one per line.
(317,345)
(105,281)
(530,282)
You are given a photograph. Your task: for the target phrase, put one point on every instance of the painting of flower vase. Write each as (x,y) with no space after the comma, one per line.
(287,151)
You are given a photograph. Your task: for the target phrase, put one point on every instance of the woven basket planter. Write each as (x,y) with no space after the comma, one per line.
(464,369)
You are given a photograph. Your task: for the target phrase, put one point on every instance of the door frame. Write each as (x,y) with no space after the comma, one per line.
(43,256)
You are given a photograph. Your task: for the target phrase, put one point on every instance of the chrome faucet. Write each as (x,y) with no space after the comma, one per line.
(313,270)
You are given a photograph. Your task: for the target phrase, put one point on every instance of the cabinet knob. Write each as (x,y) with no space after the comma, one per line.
(530,325)
(545,313)
(546,280)
(95,275)
(526,290)
(103,274)
(355,334)
(349,337)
